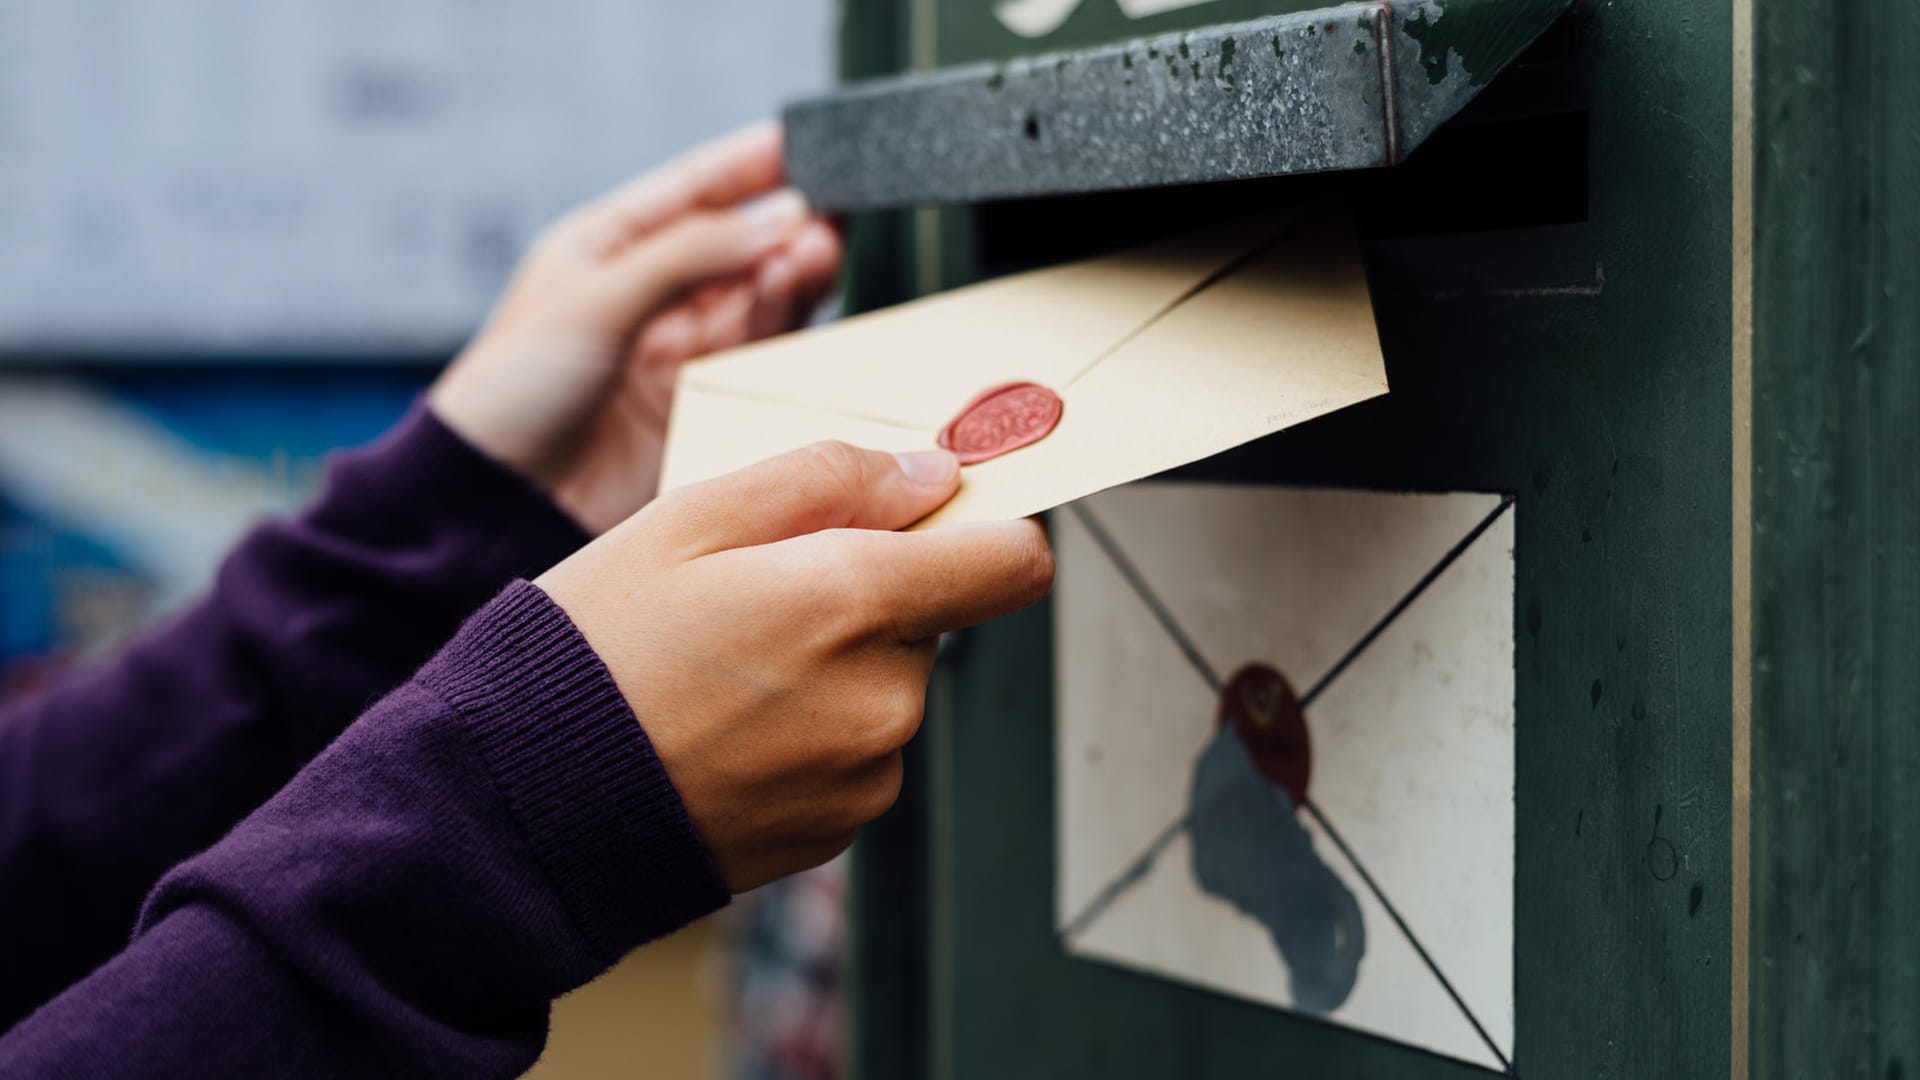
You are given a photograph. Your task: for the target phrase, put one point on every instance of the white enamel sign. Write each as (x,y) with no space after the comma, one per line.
(1285,751)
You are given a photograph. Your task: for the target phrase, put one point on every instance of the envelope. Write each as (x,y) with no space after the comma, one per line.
(1391,615)
(1161,356)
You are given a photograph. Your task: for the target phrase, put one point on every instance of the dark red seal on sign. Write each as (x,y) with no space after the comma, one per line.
(1002,419)
(1261,706)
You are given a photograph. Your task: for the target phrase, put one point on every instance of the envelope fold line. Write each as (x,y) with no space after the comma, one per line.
(1219,274)
(795,403)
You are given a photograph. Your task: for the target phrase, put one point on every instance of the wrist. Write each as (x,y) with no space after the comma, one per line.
(463,401)
(580,776)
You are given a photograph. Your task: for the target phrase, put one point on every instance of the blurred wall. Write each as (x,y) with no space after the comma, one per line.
(339,176)
(235,234)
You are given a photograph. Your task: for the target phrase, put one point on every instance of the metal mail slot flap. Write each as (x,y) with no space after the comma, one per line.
(1349,87)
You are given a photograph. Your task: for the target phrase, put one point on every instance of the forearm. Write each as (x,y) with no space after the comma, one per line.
(489,836)
(122,771)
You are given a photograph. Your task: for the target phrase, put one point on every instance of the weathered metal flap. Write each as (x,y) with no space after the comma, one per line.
(1355,86)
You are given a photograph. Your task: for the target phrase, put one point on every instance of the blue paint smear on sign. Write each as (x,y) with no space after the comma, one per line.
(1250,849)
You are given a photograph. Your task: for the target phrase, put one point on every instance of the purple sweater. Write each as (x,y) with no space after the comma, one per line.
(492,833)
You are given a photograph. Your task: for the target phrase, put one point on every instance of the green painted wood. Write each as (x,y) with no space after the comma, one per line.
(887,895)
(1584,366)
(1836,841)
(875,39)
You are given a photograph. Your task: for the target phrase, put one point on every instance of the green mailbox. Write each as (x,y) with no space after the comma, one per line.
(1601,623)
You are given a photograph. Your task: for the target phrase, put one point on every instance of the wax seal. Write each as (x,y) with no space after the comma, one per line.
(1003,419)
(1261,706)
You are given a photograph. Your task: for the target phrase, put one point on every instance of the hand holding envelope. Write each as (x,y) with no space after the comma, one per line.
(1161,356)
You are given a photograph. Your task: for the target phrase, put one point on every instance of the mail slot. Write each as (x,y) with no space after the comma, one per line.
(1397,743)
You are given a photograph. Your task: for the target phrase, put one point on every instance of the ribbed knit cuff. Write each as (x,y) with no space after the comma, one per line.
(422,479)
(590,796)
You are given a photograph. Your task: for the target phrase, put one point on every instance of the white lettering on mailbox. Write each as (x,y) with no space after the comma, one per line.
(1038,18)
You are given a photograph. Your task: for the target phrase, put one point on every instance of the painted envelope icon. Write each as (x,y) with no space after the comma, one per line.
(1162,355)
(1284,751)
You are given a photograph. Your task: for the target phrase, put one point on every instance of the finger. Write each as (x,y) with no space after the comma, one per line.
(670,337)
(922,654)
(717,174)
(786,287)
(815,253)
(876,788)
(723,323)
(825,486)
(695,250)
(715,291)
(957,576)
(774,297)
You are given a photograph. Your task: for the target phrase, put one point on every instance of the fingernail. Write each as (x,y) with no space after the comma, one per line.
(929,468)
(776,216)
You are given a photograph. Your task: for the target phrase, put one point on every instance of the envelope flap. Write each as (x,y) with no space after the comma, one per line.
(919,363)
(715,432)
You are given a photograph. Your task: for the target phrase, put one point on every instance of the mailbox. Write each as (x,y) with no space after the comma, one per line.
(1472,662)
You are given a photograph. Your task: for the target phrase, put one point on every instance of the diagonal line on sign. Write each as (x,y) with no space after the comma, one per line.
(1406,931)
(1138,582)
(1453,555)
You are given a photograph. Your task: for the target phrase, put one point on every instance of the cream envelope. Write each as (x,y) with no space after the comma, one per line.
(1162,355)
(1411,750)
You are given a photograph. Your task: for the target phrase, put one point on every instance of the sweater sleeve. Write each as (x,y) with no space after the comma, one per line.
(122,771)
(494,833)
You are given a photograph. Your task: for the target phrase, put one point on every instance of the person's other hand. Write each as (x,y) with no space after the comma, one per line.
(775,639)
(572,377)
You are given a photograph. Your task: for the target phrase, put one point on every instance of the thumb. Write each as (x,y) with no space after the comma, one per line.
(829,485)
(696,248)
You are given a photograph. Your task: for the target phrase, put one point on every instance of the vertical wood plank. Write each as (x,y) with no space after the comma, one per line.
(887,998)
(1836,906)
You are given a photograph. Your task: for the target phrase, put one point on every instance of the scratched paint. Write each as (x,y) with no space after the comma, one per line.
(1473,37)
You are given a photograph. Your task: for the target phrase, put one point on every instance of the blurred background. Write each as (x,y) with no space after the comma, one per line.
(236,234)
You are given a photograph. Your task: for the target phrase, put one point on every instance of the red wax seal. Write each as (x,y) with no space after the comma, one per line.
(1002,419)
(1261,706)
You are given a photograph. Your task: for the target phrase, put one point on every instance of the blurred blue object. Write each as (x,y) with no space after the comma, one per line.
(119,491)
(257,413)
